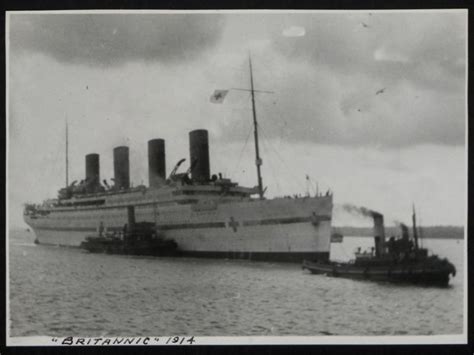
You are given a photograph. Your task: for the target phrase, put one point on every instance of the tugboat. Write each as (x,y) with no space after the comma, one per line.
(398,260)
(136,239)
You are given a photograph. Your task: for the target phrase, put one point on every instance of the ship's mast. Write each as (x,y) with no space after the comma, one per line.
(67,155)
(258,160)
(415,234)
(420,234)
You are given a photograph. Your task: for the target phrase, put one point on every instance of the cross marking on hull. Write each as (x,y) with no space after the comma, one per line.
(233,224)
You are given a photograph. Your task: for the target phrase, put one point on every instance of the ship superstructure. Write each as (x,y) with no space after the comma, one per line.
(206,215)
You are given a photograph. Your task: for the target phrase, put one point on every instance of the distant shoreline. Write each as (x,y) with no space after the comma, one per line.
(428,232)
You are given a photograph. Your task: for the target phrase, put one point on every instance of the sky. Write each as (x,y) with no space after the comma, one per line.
(368,104)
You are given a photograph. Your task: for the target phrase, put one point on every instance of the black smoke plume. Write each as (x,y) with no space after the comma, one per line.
(360,211)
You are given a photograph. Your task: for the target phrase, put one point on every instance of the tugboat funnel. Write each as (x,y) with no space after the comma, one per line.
(379,234)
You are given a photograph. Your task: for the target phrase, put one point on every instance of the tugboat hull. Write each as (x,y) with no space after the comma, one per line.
(416,273)
(117,246)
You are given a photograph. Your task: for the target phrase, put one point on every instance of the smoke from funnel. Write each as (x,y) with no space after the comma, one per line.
(405,234)
(404,228)
(360,211)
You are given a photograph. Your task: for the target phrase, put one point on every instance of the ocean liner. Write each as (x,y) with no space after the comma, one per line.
(206,215)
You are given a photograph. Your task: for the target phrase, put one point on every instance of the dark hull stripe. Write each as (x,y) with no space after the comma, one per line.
(192,225)
(287,220)
(202,225)
(294,257)
(261,256)
(69,229)
(76,229)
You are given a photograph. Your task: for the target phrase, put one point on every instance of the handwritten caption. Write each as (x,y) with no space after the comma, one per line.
(173,340)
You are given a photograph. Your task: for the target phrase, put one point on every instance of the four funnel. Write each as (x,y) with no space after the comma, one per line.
(199,162)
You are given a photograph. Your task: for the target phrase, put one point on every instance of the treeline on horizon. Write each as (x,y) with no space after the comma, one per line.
(430,232)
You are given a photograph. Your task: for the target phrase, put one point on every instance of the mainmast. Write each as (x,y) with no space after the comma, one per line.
(67,156)
(415,234)
(258,160)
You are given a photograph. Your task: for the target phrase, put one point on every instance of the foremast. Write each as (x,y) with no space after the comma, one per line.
(67,155)
(415,234)
(258,160)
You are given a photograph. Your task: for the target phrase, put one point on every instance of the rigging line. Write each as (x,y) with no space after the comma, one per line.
(273,148)
(246,140)
(294,177)
(316,188)
(264,91)
(309,185)
(265,147)
(242,152)
(313,185)
(283,130)
(57,155)
(284,162)
(420,233)
(286,135)
(233,117)
(267,151)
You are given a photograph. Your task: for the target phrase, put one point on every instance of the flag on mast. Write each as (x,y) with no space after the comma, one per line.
(218,96)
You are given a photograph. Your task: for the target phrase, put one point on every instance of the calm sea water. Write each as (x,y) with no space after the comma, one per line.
(63,292)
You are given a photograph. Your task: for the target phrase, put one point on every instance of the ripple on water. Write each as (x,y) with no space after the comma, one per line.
(55,291)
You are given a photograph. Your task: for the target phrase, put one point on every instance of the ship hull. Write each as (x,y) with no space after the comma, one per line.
(279,229)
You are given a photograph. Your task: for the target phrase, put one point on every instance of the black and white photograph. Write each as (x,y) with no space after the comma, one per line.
(236,177)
